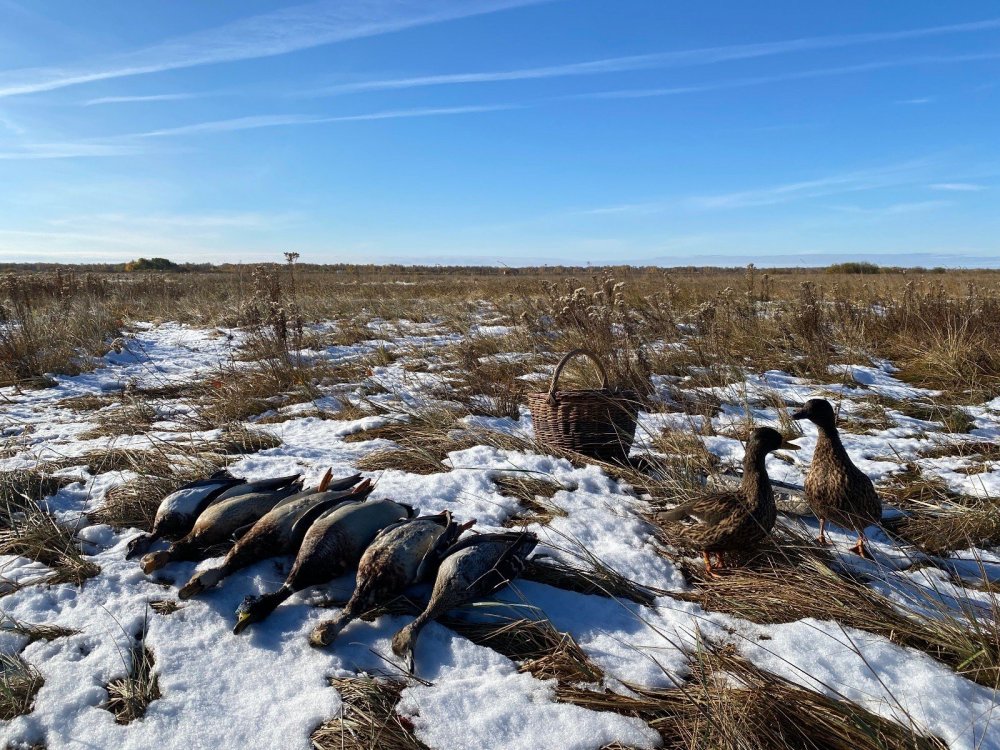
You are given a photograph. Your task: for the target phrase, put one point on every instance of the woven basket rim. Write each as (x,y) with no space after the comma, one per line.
(582,391)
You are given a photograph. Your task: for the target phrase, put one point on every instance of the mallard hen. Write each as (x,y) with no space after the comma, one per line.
(836,489)
(738,519)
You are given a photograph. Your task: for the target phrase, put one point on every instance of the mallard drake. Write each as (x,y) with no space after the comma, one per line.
(402,554)
(225,519)
(475,567)
(332,545)
(738,519)
(281,530)
(836,489)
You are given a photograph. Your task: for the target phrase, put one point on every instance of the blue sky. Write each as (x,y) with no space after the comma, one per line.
(501,131)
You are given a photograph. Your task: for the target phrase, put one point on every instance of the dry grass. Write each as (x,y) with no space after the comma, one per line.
(952,527)
(368,718)
(35,533)
(426,436)
(535,644)
(23,488)
(131,416)
(129,696)
(780,584)
(164,606)
(33,632)
(19,681)
(733,704)
(598,580)
(534,493)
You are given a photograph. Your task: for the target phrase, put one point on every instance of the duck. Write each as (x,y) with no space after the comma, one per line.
(730,520)
(835,489)
(281,530)
(401,555)
(177,512)
(474,567)
(332,546)
(225,520)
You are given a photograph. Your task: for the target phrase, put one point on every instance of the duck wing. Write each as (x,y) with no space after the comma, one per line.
(709,509)
(324,506)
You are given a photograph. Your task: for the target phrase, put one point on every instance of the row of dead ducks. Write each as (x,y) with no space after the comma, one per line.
(329,528)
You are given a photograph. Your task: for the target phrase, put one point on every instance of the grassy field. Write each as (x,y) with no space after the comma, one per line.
(433,362)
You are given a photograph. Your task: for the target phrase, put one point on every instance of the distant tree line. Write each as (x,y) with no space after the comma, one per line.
(164,265)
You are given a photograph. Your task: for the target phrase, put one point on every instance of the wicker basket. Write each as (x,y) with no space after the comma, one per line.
(596,423)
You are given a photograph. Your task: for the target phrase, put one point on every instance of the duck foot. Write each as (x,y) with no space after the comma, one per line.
(861,549)
(711,569)
(821,540)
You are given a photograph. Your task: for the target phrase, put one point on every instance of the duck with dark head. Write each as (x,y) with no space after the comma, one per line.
(733,520)
(836,489)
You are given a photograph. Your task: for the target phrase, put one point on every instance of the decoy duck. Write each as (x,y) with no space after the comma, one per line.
(402,554)
(222,521)
(332,545)
(178,510)
(475,567)
(836,489)
(281,530)
(731,520)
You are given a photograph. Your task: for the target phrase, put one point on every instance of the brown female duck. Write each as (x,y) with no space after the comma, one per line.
(836,489)
(733,520)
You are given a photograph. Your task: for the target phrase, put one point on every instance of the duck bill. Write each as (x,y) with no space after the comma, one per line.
(788,445)
(799,414)
(242,624)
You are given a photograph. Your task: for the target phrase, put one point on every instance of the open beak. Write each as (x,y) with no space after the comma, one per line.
(242,623)
(788,445)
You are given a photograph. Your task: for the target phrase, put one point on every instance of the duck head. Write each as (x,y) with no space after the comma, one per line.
(819,411)
(764,440)
(252,609)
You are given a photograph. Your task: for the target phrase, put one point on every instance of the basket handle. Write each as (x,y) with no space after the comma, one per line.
(565,360)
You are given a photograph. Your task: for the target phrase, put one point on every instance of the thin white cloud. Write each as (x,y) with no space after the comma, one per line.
(679,58)
(270,121)
(966,187)
(862,180)
(917,101)
(265,35)
(896,209)
(145,98)
(791,76)
(848,182)
(68,151)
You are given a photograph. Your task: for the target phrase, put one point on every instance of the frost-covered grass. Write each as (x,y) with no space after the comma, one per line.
(612,638)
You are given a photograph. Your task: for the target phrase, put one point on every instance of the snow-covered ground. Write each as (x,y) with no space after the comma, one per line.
(270,689)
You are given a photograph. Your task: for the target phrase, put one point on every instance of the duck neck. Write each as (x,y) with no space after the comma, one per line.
(756,486)
(828,443)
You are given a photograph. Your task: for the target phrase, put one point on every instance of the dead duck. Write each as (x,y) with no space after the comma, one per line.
(836,489)
(177,511)
(224,520)
(332,546)
(281,530)
(402,554)
(730,520)
(475,567)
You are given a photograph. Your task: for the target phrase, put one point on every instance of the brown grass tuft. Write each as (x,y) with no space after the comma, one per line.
(368,718)
(130,696)
(19,681)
